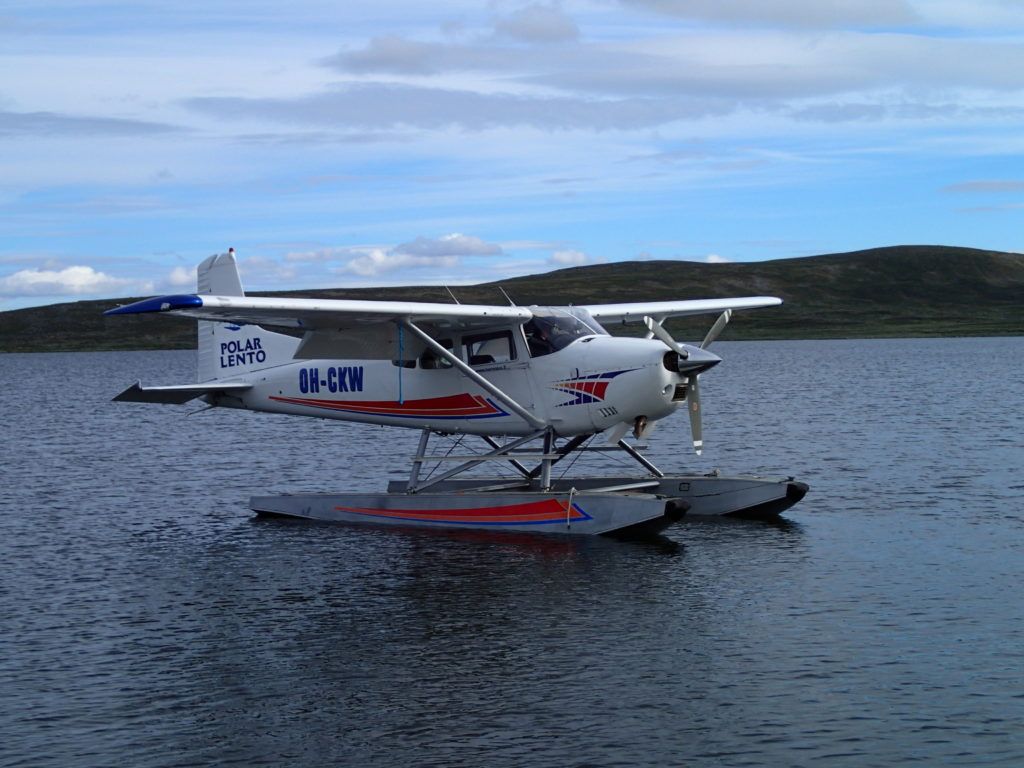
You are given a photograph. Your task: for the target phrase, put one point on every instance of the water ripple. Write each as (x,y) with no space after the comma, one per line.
(146,618)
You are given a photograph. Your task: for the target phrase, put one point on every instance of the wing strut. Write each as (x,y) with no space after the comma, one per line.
(530,418)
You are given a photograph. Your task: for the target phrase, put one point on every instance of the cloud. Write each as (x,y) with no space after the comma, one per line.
(568,258)
(260,269)
(442,252)
(449,245)
(841,76)
(180,277)
(993,208)
(35,124)
(326,255)
(573,258)
(392,54)
(375,105)
(538,24)
(70,281)
(379,261)
(714,258)
(791,13)
(766,67)
(986,186)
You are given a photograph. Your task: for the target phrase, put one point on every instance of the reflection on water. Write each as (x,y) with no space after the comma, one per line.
(147,618)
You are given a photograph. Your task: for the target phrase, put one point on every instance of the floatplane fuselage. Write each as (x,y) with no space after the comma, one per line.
(508,374)
(572,390)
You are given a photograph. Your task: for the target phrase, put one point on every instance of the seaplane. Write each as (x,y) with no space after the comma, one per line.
(535,384)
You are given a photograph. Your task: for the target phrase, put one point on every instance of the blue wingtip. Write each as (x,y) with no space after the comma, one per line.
(158,304)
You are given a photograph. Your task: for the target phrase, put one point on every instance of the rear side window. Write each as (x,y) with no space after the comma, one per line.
(487,348)
(430,360)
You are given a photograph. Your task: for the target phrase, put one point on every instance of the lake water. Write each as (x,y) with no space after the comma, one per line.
(147,619)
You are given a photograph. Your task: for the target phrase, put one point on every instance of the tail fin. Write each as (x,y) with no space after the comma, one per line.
(226,349)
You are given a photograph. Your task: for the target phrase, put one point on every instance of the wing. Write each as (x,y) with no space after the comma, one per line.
(635,312)
(323,314)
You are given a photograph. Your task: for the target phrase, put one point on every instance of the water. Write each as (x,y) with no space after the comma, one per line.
(148,620)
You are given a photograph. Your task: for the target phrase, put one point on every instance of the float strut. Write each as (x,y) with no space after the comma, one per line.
(417,462)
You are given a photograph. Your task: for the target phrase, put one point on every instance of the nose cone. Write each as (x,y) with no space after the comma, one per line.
(697,361)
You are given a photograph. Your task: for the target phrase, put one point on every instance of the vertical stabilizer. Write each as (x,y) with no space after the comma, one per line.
(218,276)
(229,349)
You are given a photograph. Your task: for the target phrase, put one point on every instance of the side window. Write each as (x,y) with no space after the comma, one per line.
(486,348)
(432,361)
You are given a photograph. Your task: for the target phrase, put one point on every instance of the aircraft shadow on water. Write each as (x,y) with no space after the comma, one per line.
(536,384)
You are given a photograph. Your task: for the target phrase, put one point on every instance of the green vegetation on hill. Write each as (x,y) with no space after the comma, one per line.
(884,292)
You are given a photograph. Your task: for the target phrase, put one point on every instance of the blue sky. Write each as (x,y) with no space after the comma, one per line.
(354,143)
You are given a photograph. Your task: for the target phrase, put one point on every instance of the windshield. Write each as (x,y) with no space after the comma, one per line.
(553,329)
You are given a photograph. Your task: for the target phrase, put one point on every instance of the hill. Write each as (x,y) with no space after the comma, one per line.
(898,291)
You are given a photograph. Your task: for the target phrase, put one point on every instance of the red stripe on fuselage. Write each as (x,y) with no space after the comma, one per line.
(451,406)
(593,388)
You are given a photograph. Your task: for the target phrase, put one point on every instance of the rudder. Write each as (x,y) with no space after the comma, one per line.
(227,349)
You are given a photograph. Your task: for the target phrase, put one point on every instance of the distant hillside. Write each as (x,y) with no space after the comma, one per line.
(898,291)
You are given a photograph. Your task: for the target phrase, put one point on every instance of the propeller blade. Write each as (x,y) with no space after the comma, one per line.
(655,327)
(720,323)
(693,405)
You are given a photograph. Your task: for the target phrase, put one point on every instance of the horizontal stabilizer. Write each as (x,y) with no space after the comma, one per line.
(177,393)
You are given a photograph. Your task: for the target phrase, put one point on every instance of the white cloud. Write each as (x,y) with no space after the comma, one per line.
(260,269)
(442,252)
(573,258)
(70,281)
(449,245)
(714,258)
(180,277)
(327,255)
(568,258)
(377,262)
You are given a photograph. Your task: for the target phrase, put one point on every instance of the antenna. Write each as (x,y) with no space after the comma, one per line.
(510,302)
(452,295)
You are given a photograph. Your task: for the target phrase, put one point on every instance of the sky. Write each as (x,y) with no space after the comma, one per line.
(350,143)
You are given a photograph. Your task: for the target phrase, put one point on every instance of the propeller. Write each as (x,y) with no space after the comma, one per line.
(720,323)
(658,330)
(693,379)
(693,406)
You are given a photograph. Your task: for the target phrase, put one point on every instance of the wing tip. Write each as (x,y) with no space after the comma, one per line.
(158,304)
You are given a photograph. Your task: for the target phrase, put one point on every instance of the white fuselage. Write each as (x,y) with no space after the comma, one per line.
(592,384)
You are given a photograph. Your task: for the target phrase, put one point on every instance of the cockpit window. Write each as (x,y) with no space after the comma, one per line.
(587,319)
(553,329)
